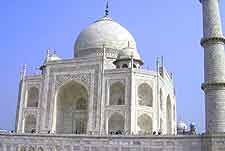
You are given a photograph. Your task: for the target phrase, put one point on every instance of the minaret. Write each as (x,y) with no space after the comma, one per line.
(214,67)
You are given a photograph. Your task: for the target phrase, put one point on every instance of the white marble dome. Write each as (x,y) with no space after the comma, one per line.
(104,31)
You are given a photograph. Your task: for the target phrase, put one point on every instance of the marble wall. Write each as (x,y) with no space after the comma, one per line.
(52,142)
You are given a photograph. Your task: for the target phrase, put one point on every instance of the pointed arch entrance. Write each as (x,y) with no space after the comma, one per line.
(72,109)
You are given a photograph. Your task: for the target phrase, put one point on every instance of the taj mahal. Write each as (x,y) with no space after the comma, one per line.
(103,99)
(102,90)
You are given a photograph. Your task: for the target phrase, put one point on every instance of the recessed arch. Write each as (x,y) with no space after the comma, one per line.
(72,108)
(21,148)
(117,94)
(116,124)
(30,123)
(169,115)
(31,148)
(144,123)
(40,149)
(145,95)
(33,97)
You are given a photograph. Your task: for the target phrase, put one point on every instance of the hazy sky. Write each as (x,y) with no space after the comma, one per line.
(161,27)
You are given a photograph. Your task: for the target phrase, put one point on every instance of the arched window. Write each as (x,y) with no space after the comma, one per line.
(72,109)
(30,124)
(117,94)
(116,124)
(145,96)
(124,66)
(161,99)
(168,115)
(144,124)
(33,96)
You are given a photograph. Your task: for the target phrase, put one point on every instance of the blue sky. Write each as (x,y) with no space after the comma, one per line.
(166,28)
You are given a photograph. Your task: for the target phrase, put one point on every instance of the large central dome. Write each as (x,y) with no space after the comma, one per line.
(105,32)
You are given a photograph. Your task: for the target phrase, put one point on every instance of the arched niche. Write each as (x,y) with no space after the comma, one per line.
(72,109)
(144,124)
(21,148)
(117,94)
(33,97)
(168,115)
(116,124)
(40,149)
(161,99)
(31,148)
(30,123)
(145,95)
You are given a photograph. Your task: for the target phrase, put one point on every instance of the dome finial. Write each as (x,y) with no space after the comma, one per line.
(107,8)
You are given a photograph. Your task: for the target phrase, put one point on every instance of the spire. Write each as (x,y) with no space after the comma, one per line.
(47,55)
(23,72)
(54,52)
(107,8)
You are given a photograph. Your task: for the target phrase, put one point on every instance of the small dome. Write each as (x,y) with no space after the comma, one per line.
(192,124)
(103,32)
(128,52)
(54,57)
(181,126)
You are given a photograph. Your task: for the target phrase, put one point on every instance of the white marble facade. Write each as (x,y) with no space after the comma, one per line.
(104,100)
(102,90)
